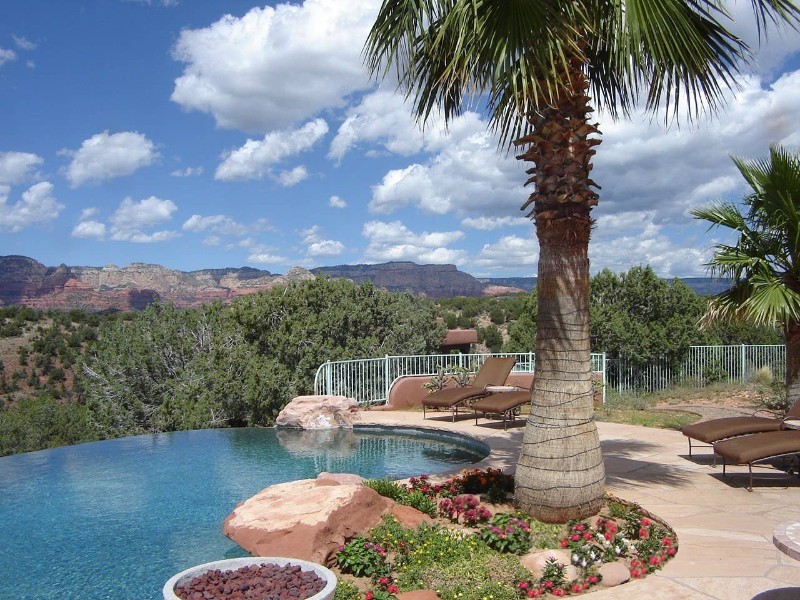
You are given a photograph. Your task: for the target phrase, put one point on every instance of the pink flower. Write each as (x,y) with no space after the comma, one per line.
(587,535)
(368,596)
(592,579)
(558,592)
(671,551)
(564,543)
(548,585)
(392,589)
(646,522)
(534,593)
(384,580)
(523,585)
(666,542)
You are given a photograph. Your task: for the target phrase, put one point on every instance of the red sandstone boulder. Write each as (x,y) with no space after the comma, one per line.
(614,574)
(309,519)
(319,412)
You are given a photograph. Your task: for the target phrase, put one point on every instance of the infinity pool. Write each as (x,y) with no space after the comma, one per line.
(115,519)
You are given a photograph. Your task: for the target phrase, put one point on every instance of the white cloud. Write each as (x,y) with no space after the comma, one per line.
(337,202)
(6,56)
(37,205)
(255,159)
(145,213)
(510,252)
(643,166)
(275,66)
(224,225)
(88,212)
(491,223)
(187,172)
(23,43)
(105,156)
(467,176)
(317,245)
(16,167)
(394,241)
(89,229)
(132,217)
(293,177)
(383,117)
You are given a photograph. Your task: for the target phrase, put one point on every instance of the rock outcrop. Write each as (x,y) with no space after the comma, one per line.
(308,519)
(26,282)
(319,412)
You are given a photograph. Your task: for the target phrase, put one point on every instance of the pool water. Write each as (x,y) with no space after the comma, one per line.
(116,519)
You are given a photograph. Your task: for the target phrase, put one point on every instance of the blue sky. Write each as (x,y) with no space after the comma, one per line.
(200,134)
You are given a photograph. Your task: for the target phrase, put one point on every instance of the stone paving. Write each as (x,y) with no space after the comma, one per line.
(725,533)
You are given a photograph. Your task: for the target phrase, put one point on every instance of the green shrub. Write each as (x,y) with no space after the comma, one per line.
(387,488)
(346,590)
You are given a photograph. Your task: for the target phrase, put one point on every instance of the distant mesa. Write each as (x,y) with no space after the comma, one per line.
(26,282)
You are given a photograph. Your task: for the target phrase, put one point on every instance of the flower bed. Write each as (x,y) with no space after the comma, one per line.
(473,549)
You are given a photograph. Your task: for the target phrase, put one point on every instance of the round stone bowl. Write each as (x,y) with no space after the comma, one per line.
(232,564)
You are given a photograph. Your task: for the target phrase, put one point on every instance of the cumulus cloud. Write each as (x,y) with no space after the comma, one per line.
(255,159)
(337,202)
(274,66)
(622,240)
(187,172)
(293,177)
(491,223)
(37,205)
(395,241)
(643,166)
(6,56)
(16,167)
(131,218)
(224,225)
(467,175)
(23,43)
(317,245)
(510,252)
(89,230)
(105,156)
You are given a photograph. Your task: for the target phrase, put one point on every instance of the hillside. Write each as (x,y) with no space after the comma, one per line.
(26,282)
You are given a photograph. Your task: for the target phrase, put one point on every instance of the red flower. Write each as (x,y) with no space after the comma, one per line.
(671,551)
(534,593)
(644,533)
(392,589)
(558,592)
(645,522)
(592,579)
(666,542)
(587,535)
(564,543)
(523,585)
(576,588)
(368,596)
(549,585)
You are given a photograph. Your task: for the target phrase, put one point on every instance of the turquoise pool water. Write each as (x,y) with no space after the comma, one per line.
(116,519)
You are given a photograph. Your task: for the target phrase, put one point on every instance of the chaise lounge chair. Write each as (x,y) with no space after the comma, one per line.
(716,430)
(758,447)
(494,371)
(503,404)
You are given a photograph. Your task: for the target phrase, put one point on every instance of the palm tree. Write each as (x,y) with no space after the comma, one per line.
(764,264)
(531,64)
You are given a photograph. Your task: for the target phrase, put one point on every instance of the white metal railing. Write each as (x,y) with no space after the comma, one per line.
(369,380)
(702,365)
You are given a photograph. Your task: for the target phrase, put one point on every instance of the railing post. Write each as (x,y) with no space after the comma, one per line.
(743,357)
(604,378)
(328,382)
(386,382)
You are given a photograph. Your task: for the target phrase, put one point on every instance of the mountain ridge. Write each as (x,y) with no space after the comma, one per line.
(27,282)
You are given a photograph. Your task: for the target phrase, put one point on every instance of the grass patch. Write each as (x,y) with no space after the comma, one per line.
(662,419)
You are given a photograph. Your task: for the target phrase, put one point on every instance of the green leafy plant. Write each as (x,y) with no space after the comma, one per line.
(507,533)
(346,590)
(362,558)
(387,488)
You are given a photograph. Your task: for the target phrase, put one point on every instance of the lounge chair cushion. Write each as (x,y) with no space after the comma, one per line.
(494,371)
(719,429)
(748,448)
(448,397)
(501,402)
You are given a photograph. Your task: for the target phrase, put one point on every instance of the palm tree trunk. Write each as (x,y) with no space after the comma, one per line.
(560,474)
(792,334)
